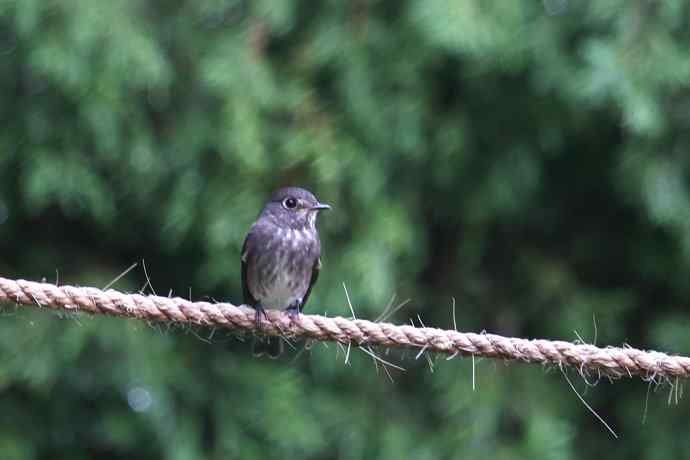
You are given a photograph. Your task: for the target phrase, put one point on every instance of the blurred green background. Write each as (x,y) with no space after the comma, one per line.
(527,158)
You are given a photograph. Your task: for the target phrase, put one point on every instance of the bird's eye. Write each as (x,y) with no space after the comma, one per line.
(290,203)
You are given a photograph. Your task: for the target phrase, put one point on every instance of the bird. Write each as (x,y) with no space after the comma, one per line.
(281,258)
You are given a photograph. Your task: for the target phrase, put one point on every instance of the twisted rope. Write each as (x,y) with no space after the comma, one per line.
(610,362)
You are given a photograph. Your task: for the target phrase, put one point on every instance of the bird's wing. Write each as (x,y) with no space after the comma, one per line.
(248,297)
(314,276)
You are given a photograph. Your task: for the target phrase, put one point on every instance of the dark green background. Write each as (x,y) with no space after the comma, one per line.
(529,159)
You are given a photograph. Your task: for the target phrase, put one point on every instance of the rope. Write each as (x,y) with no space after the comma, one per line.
(609,362)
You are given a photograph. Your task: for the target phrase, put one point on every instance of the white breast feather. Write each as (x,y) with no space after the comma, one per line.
(279,295)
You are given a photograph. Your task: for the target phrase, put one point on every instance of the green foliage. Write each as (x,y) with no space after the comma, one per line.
(525,158)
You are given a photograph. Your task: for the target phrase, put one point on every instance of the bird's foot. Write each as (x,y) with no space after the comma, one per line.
(259,311)
(293,312)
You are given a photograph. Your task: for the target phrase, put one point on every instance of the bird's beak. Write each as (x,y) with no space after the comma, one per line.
(320,207)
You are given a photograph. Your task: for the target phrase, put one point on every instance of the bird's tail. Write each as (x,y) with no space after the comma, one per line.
(270,346)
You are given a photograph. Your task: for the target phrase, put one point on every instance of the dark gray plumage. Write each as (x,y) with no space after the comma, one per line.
(281,253)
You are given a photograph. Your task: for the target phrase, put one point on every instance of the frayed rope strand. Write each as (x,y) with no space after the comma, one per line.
(610,362)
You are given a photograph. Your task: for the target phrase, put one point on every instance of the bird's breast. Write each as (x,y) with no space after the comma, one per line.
(280,267)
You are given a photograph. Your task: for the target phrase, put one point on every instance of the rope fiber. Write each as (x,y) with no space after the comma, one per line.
(587,359)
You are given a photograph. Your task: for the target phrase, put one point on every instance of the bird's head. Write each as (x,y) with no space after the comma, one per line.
(293,207)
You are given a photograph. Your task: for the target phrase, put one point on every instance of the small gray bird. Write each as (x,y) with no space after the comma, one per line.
(281,257)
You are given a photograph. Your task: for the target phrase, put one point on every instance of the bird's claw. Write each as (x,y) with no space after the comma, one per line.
(293,312)
(258,313)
